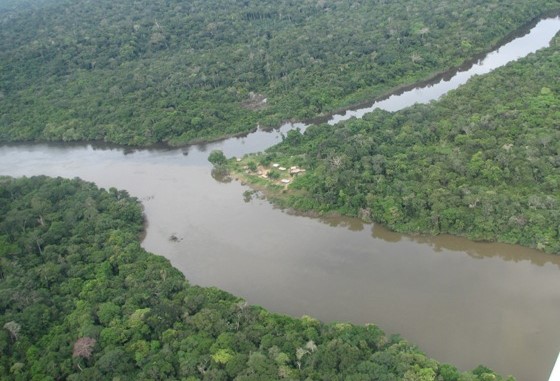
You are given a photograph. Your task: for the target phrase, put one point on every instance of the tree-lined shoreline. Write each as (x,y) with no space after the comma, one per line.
(83,301)
(175,73)
(481,162)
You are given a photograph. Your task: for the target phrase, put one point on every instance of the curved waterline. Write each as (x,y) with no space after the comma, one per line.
(462,302)
(537,37)
(511,51)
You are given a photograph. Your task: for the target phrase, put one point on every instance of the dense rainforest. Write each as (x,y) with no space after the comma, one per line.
(81,300)
(484,161)
(172,71)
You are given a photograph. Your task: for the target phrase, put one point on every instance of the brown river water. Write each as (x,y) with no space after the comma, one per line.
(461,302)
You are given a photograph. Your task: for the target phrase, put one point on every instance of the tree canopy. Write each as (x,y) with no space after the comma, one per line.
(81,300)
(171,71)
(484,161)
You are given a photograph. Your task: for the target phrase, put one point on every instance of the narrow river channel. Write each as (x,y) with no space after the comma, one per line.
(462,302)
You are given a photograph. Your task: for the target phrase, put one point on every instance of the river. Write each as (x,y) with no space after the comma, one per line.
(462,302)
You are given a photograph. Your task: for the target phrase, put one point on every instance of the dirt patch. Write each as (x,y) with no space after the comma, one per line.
(255,102)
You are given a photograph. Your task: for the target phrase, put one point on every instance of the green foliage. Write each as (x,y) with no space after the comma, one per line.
(481,162)
(91,304)
(217,158)
(174,71)
(272,174)
(252,166)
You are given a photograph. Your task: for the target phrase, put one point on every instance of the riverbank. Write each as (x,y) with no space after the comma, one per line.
(291,196)
(128,299)
(465,165)
(335,269)
(171,124)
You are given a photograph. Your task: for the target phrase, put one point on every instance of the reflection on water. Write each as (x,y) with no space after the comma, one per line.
(444,242)
(352,224)
(378,231)
(477,250)
(462,302)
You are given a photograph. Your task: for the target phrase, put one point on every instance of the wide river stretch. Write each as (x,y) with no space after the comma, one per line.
(462,302)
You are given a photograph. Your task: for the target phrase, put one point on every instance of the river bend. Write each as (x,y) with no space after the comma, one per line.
(462,302)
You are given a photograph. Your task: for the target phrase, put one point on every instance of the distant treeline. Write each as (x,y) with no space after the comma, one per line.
(172,71)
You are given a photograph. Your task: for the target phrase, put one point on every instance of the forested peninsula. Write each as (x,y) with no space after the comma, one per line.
(81,300)
(483,162)
(138,73)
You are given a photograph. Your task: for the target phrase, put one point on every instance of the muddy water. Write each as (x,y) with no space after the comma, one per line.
(461,302)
